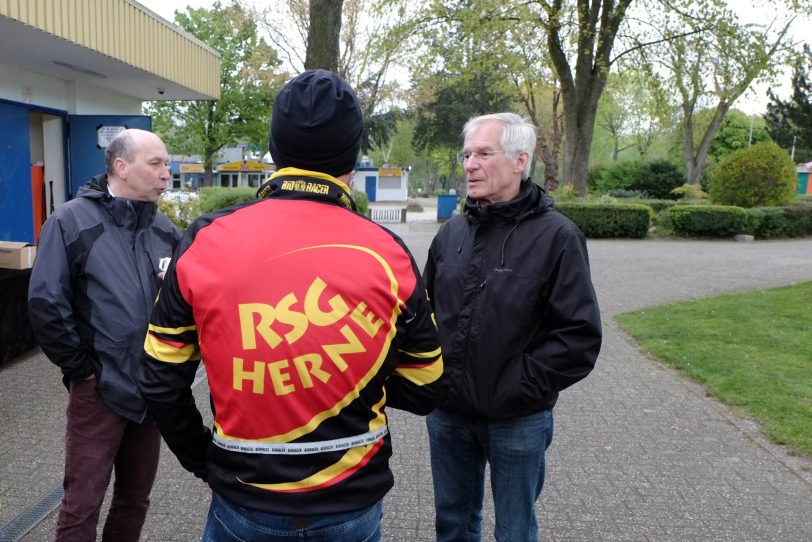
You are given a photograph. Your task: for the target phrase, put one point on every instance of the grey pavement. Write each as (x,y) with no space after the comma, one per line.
(640,453)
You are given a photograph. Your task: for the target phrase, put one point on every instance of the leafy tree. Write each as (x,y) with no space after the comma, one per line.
(439,120)
(247,88)
(711,59)
(760,175)
(737,131)
(789,122)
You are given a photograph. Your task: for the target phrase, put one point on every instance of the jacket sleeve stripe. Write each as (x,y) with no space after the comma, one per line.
(422,374)
(172,330)
(170,352)
(422,355)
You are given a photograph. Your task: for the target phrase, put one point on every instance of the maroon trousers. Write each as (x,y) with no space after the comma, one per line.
(96,441)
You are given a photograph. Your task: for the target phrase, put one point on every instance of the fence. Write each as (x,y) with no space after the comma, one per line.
(388,214)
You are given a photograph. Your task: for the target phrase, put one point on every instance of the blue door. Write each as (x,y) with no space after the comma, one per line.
(16,214)
(370,186)
(85,155)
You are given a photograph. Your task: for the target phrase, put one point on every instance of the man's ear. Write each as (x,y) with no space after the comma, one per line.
(521,162)
(120,167)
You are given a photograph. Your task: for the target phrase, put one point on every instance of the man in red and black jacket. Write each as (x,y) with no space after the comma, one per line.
(310,319)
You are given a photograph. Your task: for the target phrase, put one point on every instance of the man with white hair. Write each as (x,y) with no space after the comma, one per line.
(510,286)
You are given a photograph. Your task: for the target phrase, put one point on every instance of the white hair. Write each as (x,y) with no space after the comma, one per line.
(518,135)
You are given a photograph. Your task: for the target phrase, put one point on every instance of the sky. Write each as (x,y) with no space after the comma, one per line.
(754,101)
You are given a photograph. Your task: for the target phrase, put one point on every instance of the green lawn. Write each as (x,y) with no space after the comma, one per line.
(751,350)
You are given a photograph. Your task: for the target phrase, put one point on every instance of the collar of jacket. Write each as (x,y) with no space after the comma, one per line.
(295,183)
(530,200)
(123,212)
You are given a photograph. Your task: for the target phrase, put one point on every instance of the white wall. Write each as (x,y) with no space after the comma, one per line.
(75,98)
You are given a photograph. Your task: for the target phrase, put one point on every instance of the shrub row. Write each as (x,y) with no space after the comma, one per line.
(597,221)
(780,222)
(708,220)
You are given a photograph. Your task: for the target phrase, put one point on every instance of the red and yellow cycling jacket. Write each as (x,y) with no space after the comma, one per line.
(310,319)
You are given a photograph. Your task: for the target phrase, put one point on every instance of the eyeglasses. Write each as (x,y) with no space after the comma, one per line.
(482,156)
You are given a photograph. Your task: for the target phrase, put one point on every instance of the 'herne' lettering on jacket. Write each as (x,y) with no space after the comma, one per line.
(308,367)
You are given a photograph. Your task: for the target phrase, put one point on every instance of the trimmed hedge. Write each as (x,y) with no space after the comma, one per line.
(599,221)
(708,220)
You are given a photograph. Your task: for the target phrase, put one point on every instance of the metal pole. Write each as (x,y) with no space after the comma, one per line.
(792,152)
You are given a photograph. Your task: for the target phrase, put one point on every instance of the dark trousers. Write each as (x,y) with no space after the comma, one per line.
(96,441)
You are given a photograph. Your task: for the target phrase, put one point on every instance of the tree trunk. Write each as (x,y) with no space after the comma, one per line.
(323,35)
(695,162)
(598,24)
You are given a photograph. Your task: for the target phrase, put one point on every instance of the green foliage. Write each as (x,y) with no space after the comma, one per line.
(799,220)
(181,212)
(658,179)
(625,193)
(708,220)
(663,223)
(690,192)
(361,202)
(751,350)
(598,221)
(218,197)
(790,121)
(565,193)
(734,134)
(618,175)
(440,121)
(658,205)
(247,87)
(414,207)
(767,222)
(761,175)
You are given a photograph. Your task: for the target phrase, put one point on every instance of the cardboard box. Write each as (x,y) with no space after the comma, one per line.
(16,255)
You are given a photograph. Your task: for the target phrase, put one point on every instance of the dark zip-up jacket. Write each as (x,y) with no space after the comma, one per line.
(94,280)
(311,321)
(518,317)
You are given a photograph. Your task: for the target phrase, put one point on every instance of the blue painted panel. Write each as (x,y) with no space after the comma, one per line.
(371,187)
(803,180)
(16,214)
(86,158)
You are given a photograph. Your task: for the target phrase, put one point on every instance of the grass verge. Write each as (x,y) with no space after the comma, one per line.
(752,351)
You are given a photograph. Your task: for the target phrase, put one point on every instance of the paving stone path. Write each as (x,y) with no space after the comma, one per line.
(640,453)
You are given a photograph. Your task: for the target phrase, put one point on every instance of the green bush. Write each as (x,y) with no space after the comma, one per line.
(761,175)
(799,220)
(708,220)
(658,205)
(767,222)
(565,193)
(690,192)
(663,222)
(626,220)
(625,193)
(618,175)
(214,198)
(181,211)
(361,202)
(658,179)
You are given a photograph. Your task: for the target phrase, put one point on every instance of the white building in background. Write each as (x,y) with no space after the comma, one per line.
(382,183)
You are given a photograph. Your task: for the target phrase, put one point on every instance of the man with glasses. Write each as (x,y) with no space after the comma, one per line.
(510,285)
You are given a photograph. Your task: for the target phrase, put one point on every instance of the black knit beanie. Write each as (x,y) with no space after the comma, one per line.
(316,124)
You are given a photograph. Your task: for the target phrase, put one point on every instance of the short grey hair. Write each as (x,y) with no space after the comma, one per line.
(121,146)
(518,135)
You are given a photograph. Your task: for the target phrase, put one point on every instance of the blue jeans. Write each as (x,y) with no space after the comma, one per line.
(229,522)
(514,448)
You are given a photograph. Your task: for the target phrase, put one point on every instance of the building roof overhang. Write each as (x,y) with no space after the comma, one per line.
(118,45)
